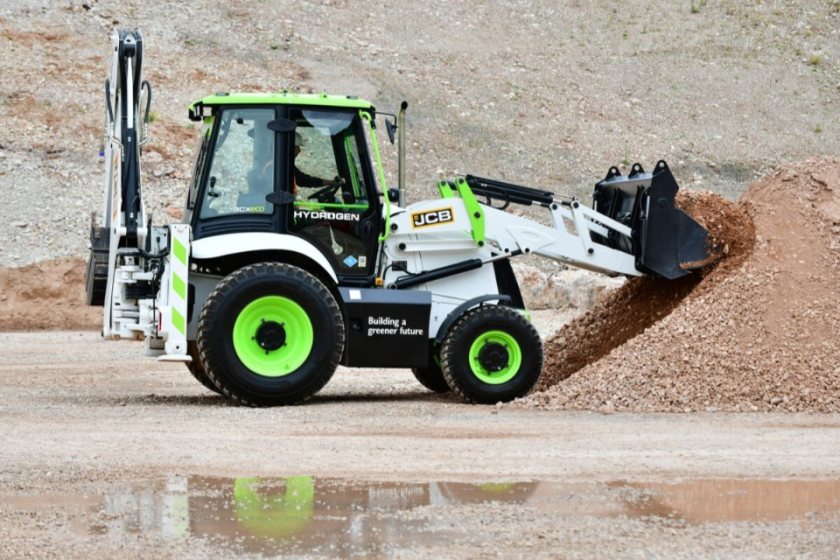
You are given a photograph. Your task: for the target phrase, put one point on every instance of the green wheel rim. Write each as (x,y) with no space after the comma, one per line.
(299,336)
(514,357)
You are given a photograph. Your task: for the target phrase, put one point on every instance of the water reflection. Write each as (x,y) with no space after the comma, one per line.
(703,501)
(302,514)
(295,514)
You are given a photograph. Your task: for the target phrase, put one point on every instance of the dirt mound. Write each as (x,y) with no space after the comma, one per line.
(756,332)
(48,295)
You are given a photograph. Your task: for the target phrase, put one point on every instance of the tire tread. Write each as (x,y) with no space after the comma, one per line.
(448,352)
(208,318)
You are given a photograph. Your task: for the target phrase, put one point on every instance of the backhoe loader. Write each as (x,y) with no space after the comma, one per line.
(293,256)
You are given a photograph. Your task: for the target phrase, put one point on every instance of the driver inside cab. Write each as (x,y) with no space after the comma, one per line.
(301,178)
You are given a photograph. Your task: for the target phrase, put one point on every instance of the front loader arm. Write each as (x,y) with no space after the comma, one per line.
(568,241)
(633,229)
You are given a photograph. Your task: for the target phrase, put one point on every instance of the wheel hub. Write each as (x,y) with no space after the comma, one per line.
(271,335)
(493,357)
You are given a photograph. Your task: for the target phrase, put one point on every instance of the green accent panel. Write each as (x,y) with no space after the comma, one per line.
(367,118)
(445,189)
(179,251)
(179,286)
(474,211)
(275,515)
(351,165)
(178,321)
(300,336)
(284,98)
(319,205)
(514,357)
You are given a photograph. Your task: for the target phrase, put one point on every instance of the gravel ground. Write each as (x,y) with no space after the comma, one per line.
(88,424)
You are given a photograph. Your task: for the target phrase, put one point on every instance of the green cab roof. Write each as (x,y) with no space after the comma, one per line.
(279,98)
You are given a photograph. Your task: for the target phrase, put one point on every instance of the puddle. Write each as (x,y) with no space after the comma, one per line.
(303,514)
(705,501)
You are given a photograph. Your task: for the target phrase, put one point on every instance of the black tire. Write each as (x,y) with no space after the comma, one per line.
(507,359)
(197,370)
(431,377)
(299,362)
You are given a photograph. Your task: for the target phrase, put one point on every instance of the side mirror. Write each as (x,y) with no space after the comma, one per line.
(390,128)
(393,195)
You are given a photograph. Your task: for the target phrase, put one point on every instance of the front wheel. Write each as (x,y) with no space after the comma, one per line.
(492,354)
(270,334)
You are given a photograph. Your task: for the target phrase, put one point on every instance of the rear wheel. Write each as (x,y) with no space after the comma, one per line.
(431,377)
(492,354)
(197,370)
(270,334)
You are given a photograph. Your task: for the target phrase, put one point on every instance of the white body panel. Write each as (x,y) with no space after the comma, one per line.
(435,233)
(237,243)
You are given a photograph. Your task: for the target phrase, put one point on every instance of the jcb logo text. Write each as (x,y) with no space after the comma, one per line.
(432,217)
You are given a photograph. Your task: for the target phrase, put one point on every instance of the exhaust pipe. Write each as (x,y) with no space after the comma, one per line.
(401,152)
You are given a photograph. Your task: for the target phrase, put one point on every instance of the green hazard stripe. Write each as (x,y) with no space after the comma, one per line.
(367,118)
(179,251)
(474,211)
(178,321)
(179,286)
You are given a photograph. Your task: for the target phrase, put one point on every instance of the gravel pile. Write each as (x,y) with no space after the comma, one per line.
(756,332)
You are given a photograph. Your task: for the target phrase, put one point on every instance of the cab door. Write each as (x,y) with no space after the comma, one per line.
(335,206)
(235,173)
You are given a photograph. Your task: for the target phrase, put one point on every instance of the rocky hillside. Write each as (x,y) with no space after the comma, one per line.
(547,93)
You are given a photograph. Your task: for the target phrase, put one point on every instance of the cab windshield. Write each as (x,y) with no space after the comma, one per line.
(242,170)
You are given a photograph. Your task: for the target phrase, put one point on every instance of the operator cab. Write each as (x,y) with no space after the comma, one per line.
(298,169)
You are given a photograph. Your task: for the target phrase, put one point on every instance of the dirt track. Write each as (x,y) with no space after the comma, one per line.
(83,417)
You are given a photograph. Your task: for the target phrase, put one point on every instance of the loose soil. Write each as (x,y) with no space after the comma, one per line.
(756,332)
(46,295)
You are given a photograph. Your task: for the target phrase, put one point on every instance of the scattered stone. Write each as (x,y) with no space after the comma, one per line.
(763,318)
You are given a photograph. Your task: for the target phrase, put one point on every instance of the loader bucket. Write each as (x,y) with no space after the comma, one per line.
(666,241)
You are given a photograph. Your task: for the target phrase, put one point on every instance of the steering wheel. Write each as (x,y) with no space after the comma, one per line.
(327,194)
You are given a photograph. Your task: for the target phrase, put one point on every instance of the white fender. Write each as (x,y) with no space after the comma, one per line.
(233,243)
